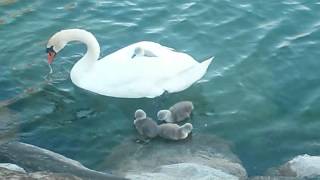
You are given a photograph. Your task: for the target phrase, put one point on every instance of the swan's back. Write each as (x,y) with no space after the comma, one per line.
(119,75)
(158,50)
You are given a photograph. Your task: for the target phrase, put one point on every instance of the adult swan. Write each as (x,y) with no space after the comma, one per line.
(143,69)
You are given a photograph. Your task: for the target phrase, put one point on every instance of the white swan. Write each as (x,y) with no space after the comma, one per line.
(154,70)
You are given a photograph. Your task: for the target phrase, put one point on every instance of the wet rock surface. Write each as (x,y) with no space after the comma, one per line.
(186,171)
(273,178)
(12,167)
(34,159)
(203,155)
(302,167)
(15,175)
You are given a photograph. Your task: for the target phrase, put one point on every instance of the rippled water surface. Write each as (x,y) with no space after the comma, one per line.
(262,92)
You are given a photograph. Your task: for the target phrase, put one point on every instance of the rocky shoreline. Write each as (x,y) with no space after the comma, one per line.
(199,157)
(38,162)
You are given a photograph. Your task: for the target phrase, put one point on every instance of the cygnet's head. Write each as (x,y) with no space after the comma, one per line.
(164,115)
(140,114)
(186,128)
(189,106)
(138,51)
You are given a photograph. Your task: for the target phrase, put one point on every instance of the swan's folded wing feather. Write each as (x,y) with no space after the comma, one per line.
(183,79)
(155,49)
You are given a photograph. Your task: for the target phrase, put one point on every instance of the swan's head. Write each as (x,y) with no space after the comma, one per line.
(138,51)
(164,115)
(140,114)
(55,44)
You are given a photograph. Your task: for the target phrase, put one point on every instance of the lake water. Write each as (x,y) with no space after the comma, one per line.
(262,93)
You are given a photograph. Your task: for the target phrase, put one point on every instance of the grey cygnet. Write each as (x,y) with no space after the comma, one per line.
(174,131)
(146,126)
(139,51)
(176,113)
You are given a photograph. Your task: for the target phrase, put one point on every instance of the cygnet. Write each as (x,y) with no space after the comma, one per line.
(174,131)
(176,113)
(139,51)
(145,125)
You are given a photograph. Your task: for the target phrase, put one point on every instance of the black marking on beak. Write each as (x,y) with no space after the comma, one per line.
(50,49)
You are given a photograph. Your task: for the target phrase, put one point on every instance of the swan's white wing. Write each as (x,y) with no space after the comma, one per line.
(152,68)
(119,75)
(158,50)
(145,77)
(163,51)
(186,78)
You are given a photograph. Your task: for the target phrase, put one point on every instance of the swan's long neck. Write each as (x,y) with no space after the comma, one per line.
(86,63)
(93,48)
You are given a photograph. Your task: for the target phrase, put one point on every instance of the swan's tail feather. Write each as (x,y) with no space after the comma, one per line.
(186,78)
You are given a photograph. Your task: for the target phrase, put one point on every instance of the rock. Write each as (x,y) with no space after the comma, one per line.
(12,167)
(200,151)
(14,175)
(274,178)
(34,159)
(302,166)
(186,171)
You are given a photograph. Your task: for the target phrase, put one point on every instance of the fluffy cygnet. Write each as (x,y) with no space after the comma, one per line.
(176,113)
(139,51)
(174,131)
(145,125)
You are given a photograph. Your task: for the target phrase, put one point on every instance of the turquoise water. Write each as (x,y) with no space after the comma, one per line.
(262,93)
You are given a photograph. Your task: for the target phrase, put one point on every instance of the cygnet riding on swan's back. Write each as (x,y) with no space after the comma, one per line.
(139,51)
(153,70)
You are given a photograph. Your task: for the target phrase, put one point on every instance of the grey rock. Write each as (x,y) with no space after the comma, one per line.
(202,150)
(33,159)
(7,174)
(12,167)
(302,166)
(273,178)
(187,171)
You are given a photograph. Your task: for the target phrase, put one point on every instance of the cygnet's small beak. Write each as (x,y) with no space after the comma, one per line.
(134,55)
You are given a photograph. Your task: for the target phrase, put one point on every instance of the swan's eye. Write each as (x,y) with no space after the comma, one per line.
(50,49)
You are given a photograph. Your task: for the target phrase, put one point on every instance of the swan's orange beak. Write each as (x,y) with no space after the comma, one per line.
(51,56)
